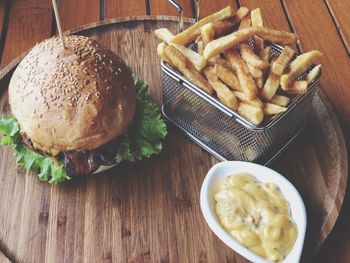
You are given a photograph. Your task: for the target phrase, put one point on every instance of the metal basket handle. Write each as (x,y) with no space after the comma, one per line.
(197,9)
(180,11)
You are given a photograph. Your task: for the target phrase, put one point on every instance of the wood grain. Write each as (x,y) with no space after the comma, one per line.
(335,61)
(78,12)
(165,8)
(29,22)
(3,5)
(149,211)
(120,8)
(339,10)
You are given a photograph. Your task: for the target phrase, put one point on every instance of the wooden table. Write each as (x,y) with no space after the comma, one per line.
(319,24)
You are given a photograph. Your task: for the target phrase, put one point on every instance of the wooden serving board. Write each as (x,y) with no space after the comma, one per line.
(149,211)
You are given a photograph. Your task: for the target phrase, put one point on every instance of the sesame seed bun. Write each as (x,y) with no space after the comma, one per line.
(77,98)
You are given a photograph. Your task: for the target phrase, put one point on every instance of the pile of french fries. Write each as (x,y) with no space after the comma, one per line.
(251,82)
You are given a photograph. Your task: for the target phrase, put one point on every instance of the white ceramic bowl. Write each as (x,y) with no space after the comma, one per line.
(263,174)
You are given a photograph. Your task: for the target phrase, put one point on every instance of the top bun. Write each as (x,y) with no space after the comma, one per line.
(77,98)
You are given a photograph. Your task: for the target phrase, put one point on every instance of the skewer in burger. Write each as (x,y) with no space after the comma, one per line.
(78,110)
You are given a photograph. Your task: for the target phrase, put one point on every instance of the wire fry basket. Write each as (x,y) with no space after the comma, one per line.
(222,131)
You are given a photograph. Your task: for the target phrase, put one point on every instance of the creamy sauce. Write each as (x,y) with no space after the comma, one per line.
(256,215)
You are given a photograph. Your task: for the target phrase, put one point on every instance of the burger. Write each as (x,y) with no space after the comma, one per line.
(78,110)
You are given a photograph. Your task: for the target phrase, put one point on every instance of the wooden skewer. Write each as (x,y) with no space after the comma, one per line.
(58,22)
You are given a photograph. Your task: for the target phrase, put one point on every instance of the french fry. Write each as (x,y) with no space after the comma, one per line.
(179,61)
(251,154)
(222,44)
(226,26)
(251,58)
(273,109)
(240,14)
(212,61)
(161,52)
(207,33)
(164,34)
(259,44)
(196,59)
(265,54)
(243,97)
(259,82)
(280,100)
(255,72)
(298,87)
(176,58)
(227,75)
(245,23)
(246,81)
(225,63)
(256,17)
(297,67)
(313,74)
(193,31)
(257,20)
(271,86)
(200,47)
(197,79)
(223,27)
(225,95)
(254,114)
(282,61)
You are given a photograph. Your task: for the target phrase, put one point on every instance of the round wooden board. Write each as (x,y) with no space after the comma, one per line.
(149,211)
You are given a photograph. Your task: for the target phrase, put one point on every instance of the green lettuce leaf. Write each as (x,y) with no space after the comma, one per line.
(142,139)
(30,160)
